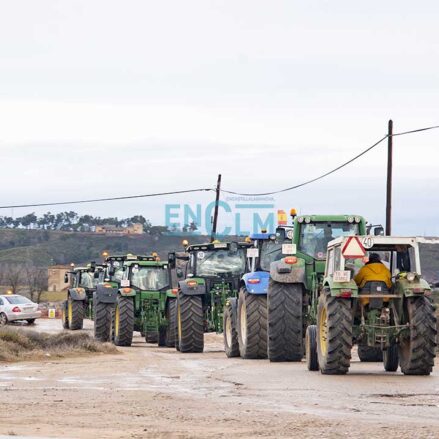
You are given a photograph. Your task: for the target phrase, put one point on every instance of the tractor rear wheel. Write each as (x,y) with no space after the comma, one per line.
(312,361)
(390,358)
(103,316)
(123,321)
(417,349)
(64,319)
(230,333)
(285,329)
(75,314)
(334,334)
(171,313)
(369,354)
(190,323)
(252,325)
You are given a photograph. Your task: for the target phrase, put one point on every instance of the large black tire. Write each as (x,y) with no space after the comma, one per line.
(171,317)
(312,362)
(369,354)
(190,323)
(252,325)
(230,333)
(152,336)
(390,358)
(285,327)
(30,321)
(162,336)
(417,350)
(64,319)
(334,334)
(103,317)
(75,314)
(123,321)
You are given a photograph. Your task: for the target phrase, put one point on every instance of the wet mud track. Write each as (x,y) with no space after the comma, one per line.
(146,391)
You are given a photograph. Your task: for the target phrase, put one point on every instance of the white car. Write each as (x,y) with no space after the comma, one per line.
(15,307)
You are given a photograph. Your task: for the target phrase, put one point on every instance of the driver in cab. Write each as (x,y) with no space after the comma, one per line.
(373,271)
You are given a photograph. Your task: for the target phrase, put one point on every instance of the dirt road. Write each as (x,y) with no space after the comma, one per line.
(148,391)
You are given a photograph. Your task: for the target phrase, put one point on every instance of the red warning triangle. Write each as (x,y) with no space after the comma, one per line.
(353,248)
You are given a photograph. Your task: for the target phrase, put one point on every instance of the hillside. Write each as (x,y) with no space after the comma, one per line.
(43,248)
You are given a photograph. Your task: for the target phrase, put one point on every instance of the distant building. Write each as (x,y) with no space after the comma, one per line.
(55,275)
(135,229)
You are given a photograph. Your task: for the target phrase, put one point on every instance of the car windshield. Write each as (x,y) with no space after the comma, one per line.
(270,251)
(314,237)
(17,300)
(149,278)
(86,280)
(217,262)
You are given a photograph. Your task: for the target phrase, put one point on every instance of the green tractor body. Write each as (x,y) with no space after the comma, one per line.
(212,274)
(296,280)
(396,319)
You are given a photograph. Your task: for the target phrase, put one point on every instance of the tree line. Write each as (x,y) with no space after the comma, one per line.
(73,222)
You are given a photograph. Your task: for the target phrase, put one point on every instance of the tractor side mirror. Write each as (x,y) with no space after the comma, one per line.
(378,231)
(66,278)
(92,266)
(179,273)
(171,259)
(111,271)
(96,274)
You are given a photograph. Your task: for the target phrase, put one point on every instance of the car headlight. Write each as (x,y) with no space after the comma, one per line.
(410,277)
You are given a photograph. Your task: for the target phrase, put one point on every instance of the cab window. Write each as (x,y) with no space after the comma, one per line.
(330,263)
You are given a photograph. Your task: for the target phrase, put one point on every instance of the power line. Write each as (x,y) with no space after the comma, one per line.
(333,170)
(158,194)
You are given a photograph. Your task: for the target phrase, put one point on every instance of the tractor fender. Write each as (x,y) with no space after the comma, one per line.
(198,290)
(106,294)
(256,282)
(77,294)
(288,273)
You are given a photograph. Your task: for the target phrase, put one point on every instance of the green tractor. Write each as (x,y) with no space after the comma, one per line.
(398,320)
(212,275)
(79,304)
(296,281)
(145,302)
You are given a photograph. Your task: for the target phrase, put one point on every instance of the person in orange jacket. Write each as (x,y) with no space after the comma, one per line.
(373,271)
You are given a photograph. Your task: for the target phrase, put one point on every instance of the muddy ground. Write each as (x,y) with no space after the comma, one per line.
(146,391)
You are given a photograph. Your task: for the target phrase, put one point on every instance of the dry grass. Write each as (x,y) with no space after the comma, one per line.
(19,345)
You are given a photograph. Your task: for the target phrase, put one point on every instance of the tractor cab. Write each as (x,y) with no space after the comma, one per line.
(147,273)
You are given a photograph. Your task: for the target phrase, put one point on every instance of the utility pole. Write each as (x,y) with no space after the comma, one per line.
(215,215)
(389,179)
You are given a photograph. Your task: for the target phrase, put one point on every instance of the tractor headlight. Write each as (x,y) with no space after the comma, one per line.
(290,234)
(300,219)
(411,277)
(357,219)
(307,220)
(351,219)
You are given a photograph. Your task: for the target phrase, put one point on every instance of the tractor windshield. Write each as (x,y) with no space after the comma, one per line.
(270,251)
(86,280)
(149,278)
(217,262)
(314,237)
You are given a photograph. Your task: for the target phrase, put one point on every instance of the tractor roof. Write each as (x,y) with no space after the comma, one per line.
(212,246)
(150,262)
(379,243)
(329,218)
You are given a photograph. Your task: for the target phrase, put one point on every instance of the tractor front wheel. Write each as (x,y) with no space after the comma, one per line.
(312,361)
(123,321)
(190,323)
(103,316)
(417,349)
(390,358)
(75,314)
(64,319)
(252,325)
(230,333)
(285,336)
(171,313)
(334,334)
(369,354)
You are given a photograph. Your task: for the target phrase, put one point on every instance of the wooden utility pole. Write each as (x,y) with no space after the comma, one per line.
(389,179)
(215,215)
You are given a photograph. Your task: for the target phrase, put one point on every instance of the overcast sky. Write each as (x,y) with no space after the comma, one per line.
(110,98)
